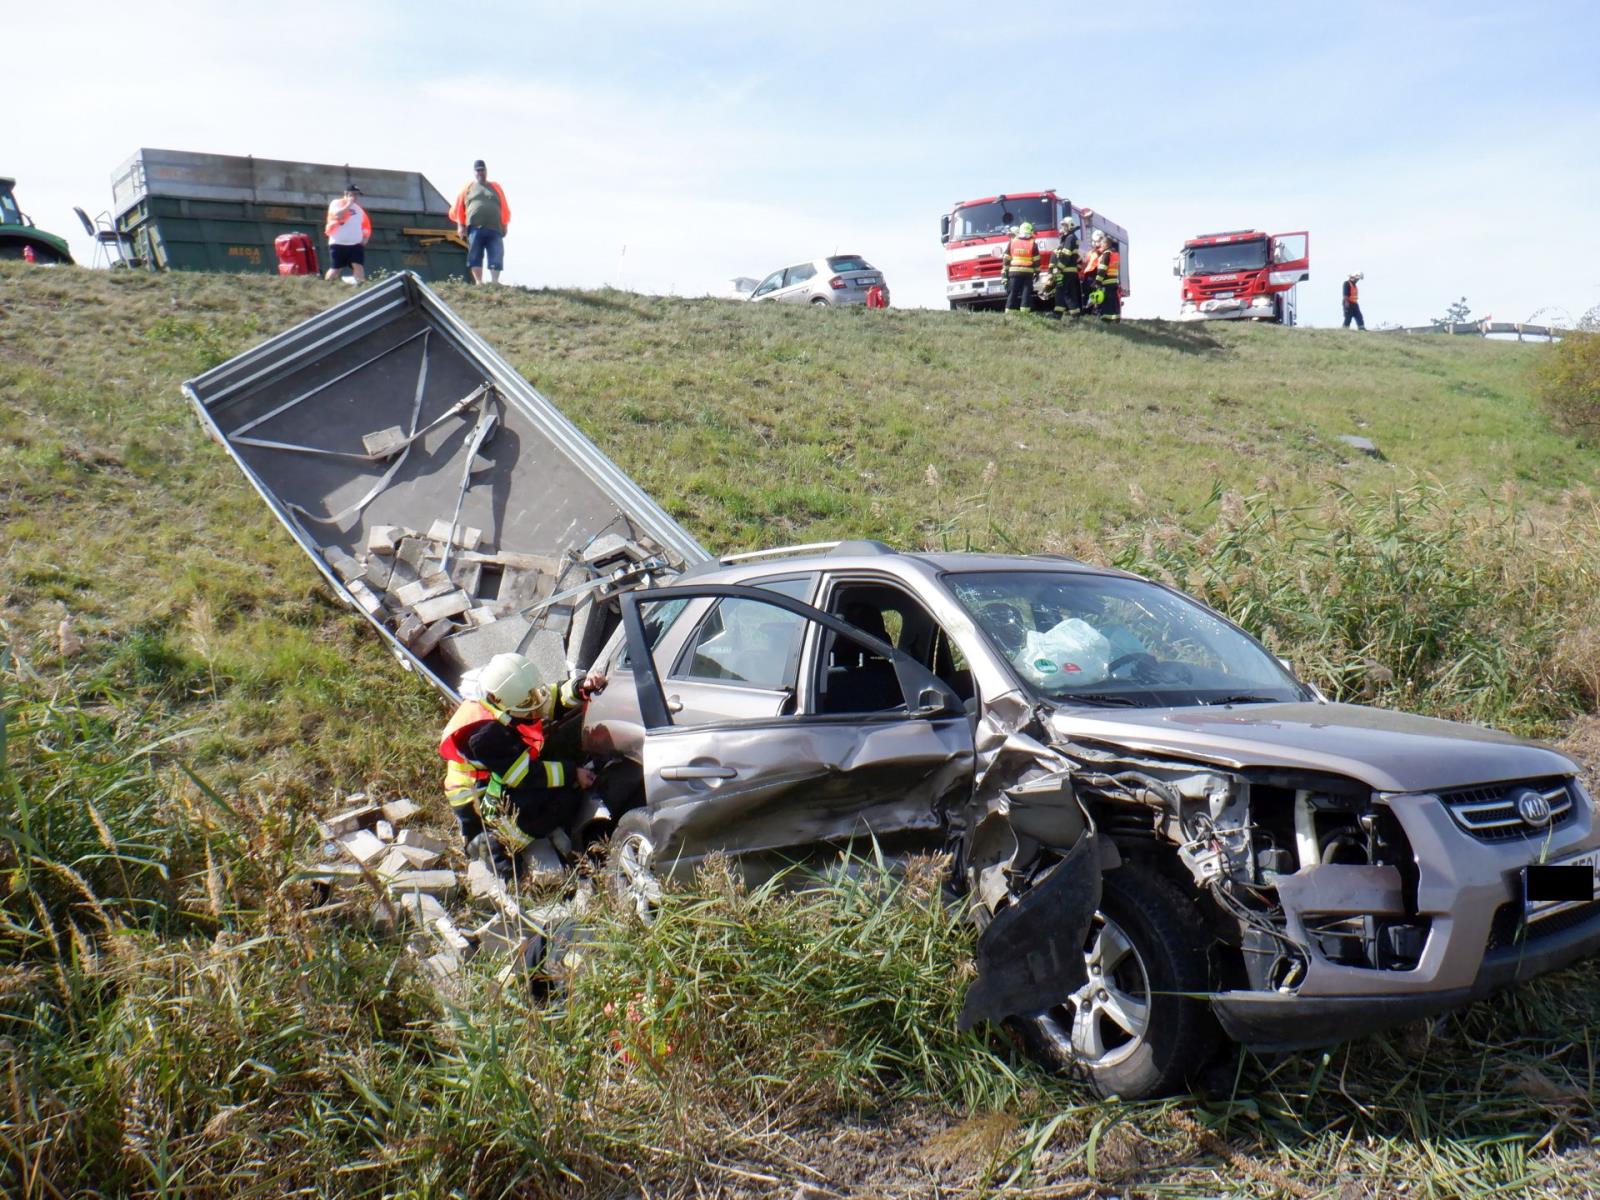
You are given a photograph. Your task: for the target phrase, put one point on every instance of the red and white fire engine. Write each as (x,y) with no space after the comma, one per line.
(1242,274)
(975,234)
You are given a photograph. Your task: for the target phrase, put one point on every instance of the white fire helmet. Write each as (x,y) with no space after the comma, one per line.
(510,681)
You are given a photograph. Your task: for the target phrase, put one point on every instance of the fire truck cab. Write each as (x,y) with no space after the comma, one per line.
(975,234)
(1242,274)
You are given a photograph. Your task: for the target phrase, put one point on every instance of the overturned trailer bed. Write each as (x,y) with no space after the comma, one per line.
(440,494)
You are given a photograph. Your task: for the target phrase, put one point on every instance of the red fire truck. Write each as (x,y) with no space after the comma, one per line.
(975,233)
(1242,274)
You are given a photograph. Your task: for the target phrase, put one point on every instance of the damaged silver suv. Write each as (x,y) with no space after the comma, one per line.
(1162,832)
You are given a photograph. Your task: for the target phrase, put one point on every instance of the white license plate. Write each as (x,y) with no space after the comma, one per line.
(1537,909)
(868,281)
(1223,296)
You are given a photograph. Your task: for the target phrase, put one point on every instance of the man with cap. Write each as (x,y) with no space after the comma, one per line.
(482,216)
(1350,295)
(348,229)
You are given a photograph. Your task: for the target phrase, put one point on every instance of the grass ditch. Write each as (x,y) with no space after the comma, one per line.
(174,1024)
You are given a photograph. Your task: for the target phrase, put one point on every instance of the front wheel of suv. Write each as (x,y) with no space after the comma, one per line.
(1140,1026)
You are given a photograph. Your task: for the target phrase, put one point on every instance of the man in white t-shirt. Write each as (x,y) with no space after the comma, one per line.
(349,228)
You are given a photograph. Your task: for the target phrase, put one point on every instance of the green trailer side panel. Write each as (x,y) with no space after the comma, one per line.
(181,234)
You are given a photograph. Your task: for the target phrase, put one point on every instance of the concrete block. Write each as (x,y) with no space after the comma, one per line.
(362,816)
(385,539)
(408,858)
(331,873)
(452,938)
(397,812)
(468,648)
(411,628)
(440,607)
(366,598)
(483,883)
(426,588)
(363,845)
(384,829)
(441,885)
(540,864)
(431,637)
(477,618)
(344,565)
(420,907)
(418,553)
(377,571)
(384,443)
(467,575)
(416,839)
(467,537)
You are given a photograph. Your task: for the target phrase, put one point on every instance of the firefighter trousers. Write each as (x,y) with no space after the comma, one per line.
(1069,294)
(1111,307)
(1019,291)
(1352,312)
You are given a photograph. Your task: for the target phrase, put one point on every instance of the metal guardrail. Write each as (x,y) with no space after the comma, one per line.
(1548,333)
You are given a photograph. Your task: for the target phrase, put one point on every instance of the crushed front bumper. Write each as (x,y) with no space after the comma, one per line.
(1273,1021)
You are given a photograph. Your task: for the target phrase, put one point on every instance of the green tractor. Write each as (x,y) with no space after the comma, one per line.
(19,238)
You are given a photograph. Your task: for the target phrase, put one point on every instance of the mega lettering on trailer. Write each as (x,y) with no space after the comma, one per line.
(975,233)
(1242,274)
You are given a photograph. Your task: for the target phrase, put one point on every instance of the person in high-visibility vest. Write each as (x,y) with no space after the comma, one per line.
(1064,266)
(349,229)
(503,785)
(1352,302)
(483,216)
(1106,299)
(1018,268)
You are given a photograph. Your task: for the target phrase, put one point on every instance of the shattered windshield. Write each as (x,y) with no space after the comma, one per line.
(1232,256)
(1106,640)
(1000,216)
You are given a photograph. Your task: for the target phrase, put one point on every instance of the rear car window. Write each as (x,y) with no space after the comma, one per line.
(849,262)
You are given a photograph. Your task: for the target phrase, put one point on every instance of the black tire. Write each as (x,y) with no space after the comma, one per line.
(628,874)
(1169,957)
(816,300)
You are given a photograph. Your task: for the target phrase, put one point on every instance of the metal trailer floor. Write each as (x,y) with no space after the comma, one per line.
(360,427)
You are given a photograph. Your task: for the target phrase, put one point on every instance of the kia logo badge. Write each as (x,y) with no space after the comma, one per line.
(1532,807)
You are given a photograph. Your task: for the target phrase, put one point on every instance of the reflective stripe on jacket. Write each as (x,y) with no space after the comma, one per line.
(1063,263)
(1108,271)
(464,777)
(1022,255)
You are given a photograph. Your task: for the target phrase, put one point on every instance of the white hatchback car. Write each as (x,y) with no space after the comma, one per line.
(838,279)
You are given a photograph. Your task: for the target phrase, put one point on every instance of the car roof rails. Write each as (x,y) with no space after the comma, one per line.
(856,546)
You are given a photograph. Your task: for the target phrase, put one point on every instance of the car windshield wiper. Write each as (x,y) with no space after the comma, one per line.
(1109,699)
(1246,698)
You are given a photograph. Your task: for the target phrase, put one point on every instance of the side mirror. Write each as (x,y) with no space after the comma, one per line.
(944,228)
(932,702)
(1177,266)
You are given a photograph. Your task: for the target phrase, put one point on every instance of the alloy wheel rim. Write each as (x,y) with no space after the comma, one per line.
(1105,1021)
(639,881)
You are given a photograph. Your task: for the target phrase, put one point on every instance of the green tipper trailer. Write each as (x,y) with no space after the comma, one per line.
(217,212)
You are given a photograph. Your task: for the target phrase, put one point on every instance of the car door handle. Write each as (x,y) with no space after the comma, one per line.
(711,772)
(674,704)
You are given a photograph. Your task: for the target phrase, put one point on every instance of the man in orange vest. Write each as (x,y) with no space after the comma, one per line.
(483,217)
(349,229)
(1352,302)
(500,779)
(1019,267)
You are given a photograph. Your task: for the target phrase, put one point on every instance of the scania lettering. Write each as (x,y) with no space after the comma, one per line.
(1242,274)
(975,234)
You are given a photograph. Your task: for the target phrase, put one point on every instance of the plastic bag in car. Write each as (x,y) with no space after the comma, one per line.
(1070,654)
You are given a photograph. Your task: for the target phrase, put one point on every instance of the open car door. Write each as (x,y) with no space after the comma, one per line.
(791,786)
(1291,258)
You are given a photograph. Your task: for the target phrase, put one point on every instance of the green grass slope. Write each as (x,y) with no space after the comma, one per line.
(172,1023)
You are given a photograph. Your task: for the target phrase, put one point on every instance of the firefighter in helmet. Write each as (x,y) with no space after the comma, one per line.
(1064,267)
(503,779)
(1019,267)
(1106,298)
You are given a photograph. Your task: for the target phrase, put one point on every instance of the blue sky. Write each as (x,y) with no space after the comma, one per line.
(1441,149)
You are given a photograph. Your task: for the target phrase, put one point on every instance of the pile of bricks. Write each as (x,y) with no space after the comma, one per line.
(455,915)
(468,609)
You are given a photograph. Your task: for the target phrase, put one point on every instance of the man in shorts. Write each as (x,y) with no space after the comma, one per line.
(349,229)
(482,216)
